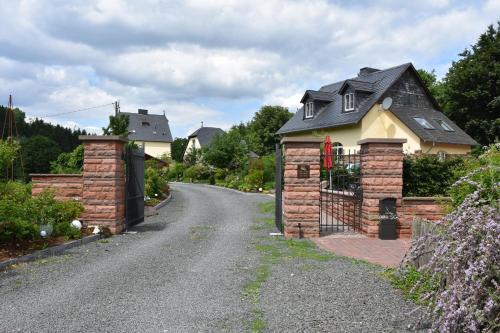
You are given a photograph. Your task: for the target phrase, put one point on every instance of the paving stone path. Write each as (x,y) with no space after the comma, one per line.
(206,263)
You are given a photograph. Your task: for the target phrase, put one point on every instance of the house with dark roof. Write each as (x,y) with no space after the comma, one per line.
(201,138)
(151,131)
(389,103)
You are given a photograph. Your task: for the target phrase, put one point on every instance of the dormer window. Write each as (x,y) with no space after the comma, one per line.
(349,102)
(309,110)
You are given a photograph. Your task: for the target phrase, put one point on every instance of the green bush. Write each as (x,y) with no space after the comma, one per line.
(269,167)
(198,172)
(483,174)
(21,215)
(176,171)
(426,175)
(68,162)
(155,183)
(254,179)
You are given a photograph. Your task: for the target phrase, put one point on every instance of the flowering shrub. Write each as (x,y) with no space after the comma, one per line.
(465,263)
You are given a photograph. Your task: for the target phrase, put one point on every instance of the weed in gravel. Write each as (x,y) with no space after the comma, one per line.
(200,232)
(258,324)
(103,241)
(251,291)
(266,207)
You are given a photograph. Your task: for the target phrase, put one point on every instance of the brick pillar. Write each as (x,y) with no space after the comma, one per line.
(301,191)
(381,177)
(104,181)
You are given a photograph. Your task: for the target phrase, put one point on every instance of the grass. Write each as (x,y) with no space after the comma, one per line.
(200,232)
(275,250)
(266,207)
(414,284)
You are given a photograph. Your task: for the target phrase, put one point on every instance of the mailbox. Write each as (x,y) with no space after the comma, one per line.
(387,218)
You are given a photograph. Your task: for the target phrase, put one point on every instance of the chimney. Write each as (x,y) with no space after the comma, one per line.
(367,70)
(143,111)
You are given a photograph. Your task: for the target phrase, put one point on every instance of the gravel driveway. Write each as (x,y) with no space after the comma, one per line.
(188,269)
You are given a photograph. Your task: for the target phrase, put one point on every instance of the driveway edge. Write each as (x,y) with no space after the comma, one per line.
(48,252)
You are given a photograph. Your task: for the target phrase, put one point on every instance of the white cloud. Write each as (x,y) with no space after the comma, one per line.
(177,55)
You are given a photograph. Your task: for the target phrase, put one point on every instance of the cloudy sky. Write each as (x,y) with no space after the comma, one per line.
(213,61)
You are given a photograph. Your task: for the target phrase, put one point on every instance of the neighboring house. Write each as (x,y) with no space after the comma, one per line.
(201,138)
(351,110)
(151,131)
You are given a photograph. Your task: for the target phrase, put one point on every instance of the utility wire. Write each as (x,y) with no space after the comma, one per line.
(75,111)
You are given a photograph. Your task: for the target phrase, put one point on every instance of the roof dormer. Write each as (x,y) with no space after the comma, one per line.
(315,100)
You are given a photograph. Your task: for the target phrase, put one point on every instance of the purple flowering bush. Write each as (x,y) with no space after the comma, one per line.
(464,293)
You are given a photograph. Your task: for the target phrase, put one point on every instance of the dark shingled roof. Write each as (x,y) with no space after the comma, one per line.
(157,130)
(438,134)
(318,95)
(376,83)
(205,135)
(332,115)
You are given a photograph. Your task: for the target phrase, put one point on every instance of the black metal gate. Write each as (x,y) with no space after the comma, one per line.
(341,196)
(279,189)
(134,194)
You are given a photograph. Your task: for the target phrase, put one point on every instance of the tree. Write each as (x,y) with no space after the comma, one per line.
(118,125)
(38,151)
(262,128)
(227,150)
(193,157)
(471,88)
(178,147)
(8,152)
(68,162)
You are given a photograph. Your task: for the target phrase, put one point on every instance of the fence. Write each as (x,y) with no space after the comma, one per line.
(426,229)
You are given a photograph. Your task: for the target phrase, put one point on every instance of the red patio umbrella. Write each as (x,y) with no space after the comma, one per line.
(328,157)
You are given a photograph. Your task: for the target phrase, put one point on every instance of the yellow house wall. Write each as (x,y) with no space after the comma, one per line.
(348,136)
(156,149)
(385,125)
(382,125)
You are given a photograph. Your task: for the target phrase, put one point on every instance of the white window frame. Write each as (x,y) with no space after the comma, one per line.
(309,110)
(349,102)
(424,124)
(441,155)
(444,125)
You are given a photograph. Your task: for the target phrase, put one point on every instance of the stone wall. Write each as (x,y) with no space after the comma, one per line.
(381,177)
(104,181)
(101,187)
(426,208)
(301,194)
(65,186)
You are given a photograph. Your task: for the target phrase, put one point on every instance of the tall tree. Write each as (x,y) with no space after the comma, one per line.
(471,88)
(263,127)
(178,147)
(38,151)
(118,125)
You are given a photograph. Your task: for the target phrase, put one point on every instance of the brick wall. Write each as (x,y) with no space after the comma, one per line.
(381,177)
(65,186)
(301,195)
(104,181)
(426,208)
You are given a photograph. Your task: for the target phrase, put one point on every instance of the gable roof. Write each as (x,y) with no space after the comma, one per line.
(438,135)
(377,83)
(332,115)
(318,95)
(158,129)
(205,135)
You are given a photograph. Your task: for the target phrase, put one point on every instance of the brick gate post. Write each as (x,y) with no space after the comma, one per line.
(301,192)
(104,181)
(381,177)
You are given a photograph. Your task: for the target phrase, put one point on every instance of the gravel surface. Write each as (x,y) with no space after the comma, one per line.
(185,270)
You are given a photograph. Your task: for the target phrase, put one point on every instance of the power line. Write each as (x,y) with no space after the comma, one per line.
(75,111)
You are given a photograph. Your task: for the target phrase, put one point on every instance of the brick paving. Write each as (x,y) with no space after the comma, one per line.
(388,253)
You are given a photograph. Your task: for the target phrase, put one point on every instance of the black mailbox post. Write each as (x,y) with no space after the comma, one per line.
(388,218)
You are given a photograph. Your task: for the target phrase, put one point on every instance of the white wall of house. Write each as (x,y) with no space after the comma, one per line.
(192,143)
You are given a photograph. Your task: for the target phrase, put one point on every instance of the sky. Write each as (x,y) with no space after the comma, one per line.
(213,61)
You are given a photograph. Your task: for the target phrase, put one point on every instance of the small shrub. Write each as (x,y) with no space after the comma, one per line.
(426,175)
(254,179)
(176,171)
(71,162)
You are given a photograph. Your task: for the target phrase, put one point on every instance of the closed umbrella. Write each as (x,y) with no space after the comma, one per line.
(328,157)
